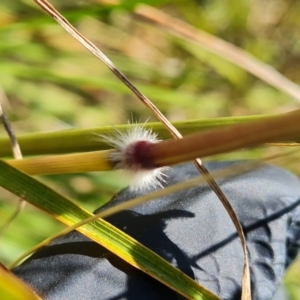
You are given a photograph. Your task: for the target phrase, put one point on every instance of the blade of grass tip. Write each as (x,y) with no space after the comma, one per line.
(13,288)
(246,290)
(18,156)
(220,47)
(101,232)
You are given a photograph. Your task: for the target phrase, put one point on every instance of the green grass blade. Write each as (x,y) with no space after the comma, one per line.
(100,231)
(80,140)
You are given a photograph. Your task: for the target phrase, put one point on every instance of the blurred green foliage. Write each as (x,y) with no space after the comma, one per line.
(49,82)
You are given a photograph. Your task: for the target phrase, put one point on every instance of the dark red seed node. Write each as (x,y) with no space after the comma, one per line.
(137,156)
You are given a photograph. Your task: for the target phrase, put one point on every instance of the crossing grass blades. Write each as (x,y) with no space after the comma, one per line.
(144,153)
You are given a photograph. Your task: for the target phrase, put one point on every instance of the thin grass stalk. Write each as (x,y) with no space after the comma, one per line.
(82,140)
(16,150)
(171,152)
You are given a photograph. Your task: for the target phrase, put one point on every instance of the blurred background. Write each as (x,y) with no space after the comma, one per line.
(49,82)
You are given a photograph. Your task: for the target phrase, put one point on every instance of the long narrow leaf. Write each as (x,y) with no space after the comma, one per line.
(100,231)
(80,140)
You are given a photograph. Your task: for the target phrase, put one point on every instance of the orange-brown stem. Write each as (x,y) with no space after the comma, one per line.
(216,141)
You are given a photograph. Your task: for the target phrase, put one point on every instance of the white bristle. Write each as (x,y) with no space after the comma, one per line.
(141,179)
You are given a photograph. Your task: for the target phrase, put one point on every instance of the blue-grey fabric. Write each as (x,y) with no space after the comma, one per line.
(191,230)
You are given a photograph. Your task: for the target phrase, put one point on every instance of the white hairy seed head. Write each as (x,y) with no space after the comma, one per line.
(129,157)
